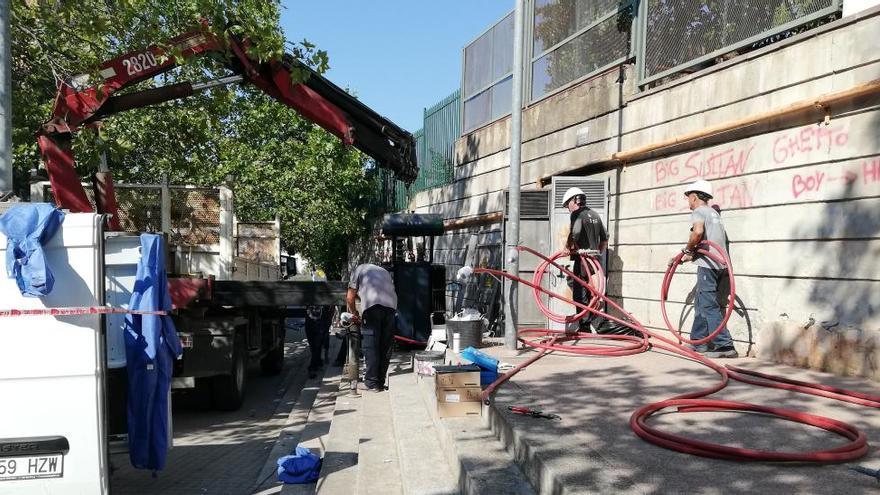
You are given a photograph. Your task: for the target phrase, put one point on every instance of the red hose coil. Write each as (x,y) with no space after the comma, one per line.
(554,341)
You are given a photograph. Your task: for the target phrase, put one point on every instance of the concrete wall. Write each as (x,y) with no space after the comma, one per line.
(801,203)
(851,7)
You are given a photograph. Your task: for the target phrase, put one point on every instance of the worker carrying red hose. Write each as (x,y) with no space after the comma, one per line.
(707,225)
(586,233)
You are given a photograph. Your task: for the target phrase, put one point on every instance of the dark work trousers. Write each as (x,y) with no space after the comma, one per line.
(378,333)
(581,294)
(316,333)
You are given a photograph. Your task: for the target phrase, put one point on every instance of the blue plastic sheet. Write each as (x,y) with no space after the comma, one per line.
(481,359)
(28,227)
(151,346)
(302,466)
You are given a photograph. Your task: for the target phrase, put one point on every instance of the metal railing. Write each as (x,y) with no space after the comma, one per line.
(435,152)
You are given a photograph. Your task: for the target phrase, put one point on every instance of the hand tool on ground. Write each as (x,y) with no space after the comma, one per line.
(874,473)
(535,413)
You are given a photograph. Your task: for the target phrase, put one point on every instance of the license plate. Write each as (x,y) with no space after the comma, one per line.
(31,467)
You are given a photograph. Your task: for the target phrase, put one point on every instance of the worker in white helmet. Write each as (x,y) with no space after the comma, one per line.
(706,225)
(586,232)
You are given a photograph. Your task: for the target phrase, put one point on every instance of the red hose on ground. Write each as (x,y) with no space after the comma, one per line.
(552,341)
(409,341)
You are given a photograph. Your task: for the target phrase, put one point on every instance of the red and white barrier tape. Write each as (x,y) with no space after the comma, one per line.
(89,310)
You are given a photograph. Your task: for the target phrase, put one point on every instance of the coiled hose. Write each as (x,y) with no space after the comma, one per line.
(547,340)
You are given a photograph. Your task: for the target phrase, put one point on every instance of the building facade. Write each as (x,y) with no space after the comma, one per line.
(787,131)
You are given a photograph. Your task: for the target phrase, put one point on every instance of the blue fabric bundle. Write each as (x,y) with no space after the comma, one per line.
(300,467)
(28,227)
(151,346)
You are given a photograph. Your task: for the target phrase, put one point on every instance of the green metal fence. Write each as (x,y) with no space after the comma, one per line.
(437,149)
(435,152)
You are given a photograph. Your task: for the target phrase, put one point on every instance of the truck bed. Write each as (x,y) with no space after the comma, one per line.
(278,293)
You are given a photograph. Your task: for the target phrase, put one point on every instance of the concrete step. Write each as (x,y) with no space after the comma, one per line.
(339,472)
(378,462)
(423,465)
(477,459)
(307,424)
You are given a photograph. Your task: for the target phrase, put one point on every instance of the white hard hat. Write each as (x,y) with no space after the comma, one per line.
(572,192)
(699,185)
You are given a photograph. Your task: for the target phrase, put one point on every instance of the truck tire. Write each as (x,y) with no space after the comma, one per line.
(273,362)
(228,390)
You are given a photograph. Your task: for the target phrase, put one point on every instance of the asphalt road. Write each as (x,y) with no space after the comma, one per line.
(219,452)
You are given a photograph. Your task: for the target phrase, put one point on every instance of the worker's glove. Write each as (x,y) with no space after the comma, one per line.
(588,252)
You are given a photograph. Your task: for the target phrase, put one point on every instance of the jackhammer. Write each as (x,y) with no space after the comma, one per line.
(351,371)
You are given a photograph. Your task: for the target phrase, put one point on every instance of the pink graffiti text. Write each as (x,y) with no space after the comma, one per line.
(739,194)
(869,171)
(806,139)
(729,162)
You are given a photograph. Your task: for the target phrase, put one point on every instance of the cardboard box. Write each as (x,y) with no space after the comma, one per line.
(459,409)
(458,394)
(457,376)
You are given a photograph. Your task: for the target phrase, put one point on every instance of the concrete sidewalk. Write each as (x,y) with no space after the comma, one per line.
(593,450)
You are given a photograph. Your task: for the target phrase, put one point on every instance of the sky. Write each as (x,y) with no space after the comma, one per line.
(397,56)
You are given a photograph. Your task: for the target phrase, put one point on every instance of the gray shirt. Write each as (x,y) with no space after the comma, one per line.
(713,231)
(374,285)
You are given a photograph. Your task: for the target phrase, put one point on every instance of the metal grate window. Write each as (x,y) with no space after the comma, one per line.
(687,34)
(195,216)
(574,39)
(533,205)
(594,190)
(139,208)
(256,241)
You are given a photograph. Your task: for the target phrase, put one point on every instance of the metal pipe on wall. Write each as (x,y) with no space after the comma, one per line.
(512,235)
(824,106)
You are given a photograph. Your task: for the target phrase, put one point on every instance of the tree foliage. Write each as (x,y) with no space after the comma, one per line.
(281,163)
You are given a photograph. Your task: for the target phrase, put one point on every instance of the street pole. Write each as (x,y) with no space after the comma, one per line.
(5,102)
(511,308)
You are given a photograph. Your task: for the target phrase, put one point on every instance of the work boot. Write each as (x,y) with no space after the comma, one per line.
(723,353)
(702,348)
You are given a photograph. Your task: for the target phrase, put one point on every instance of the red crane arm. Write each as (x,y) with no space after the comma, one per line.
(79,103)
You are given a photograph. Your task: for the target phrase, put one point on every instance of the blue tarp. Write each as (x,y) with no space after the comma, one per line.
(302,466)
(28,227)
(151,346)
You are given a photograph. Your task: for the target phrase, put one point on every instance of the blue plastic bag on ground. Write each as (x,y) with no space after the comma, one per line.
(28,227)
(300,467)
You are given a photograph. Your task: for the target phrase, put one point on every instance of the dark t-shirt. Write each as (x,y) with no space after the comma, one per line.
(587,231)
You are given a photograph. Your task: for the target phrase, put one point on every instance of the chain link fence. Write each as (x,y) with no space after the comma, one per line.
(684,36)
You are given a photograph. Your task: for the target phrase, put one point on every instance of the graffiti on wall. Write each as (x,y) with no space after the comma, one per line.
(808,139)
(727,164)
(868,172)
